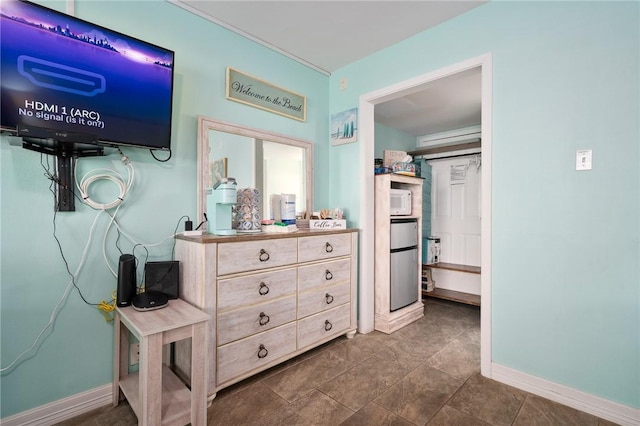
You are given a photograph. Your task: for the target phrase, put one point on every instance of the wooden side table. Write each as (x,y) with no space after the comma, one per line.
(155,394)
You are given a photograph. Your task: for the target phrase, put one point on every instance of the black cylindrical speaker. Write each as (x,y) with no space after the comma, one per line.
(126,280)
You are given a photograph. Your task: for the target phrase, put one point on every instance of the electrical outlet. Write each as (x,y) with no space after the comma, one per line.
(134,353)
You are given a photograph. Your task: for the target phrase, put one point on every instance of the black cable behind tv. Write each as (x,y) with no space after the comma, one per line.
(66,147)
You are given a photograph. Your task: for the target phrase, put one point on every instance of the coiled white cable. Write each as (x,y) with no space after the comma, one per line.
(110,175)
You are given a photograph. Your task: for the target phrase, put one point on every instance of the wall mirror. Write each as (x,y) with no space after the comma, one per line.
(270,162)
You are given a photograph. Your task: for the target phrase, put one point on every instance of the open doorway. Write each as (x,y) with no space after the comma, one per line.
(367,124)
(454,220)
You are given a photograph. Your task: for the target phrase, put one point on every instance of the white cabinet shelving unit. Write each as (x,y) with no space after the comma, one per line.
(385,320)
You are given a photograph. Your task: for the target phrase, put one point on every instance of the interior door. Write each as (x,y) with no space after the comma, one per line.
(456,202)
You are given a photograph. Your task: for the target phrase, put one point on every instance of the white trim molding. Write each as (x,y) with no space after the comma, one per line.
(366,299)
(597,406)
(63,409)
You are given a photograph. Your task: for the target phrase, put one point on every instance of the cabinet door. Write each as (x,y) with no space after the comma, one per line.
(234,325)
(404,286)
(252,353)
(323,298)
(323,247)
(322,274)
(323,326)
(252,255)
(255,288)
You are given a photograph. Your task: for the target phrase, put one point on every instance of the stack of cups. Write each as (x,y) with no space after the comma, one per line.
(248,210)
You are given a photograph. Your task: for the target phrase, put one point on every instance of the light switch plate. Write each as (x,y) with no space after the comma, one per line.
(584,159)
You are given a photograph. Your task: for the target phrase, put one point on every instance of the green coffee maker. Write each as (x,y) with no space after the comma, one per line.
(220,203)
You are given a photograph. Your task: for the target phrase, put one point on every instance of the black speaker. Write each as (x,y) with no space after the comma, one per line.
(126,280)
(163,277)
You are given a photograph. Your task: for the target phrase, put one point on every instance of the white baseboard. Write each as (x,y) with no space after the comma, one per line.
(600,407)
(62,409)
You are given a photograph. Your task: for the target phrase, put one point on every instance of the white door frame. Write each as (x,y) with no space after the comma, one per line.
(367,144)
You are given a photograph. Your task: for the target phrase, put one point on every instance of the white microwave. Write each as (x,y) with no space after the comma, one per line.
(400,202)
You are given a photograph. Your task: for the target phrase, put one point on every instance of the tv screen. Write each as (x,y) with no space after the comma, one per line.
(65,75)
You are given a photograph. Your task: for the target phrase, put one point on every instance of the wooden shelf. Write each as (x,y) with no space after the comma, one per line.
(176,397)
(452,267)
(455,296)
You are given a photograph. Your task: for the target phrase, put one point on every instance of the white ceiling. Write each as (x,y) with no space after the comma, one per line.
(327,35)
(449,103)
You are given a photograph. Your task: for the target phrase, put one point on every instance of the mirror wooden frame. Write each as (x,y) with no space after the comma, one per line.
(206,124)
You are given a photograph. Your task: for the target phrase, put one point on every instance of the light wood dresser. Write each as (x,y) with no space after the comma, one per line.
(270,297)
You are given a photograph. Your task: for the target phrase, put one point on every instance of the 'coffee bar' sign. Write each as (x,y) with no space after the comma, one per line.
(258,93)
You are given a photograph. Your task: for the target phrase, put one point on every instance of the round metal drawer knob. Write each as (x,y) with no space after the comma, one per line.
(262,352)
(328,275)
(328,247)
(264,289)
(264,256)
(328,298)
(264,319)
(327,325)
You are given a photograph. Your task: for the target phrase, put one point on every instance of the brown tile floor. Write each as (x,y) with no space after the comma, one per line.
(424,374)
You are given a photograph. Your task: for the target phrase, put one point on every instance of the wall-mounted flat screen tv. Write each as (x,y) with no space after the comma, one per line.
(65,76)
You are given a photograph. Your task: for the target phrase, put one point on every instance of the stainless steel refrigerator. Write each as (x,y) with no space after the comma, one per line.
(404,263)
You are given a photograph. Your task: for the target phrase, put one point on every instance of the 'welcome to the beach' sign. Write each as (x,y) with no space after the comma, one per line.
(258,93)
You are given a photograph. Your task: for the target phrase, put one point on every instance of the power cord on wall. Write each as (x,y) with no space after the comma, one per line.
(54,180)
(144,246)
(89,178)
(33,349)
(123,233)
(157,159)
(107,308)
(124,186)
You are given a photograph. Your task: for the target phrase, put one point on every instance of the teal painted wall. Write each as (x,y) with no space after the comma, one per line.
(76,355)
(565,260)
(566,280)
(393,139)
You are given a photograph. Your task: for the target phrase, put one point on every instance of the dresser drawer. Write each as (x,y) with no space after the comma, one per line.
(323,247)
(255,288)
(323,298)
(325,325)
(254,352)
(251,255)
(234,325)
(327,273)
